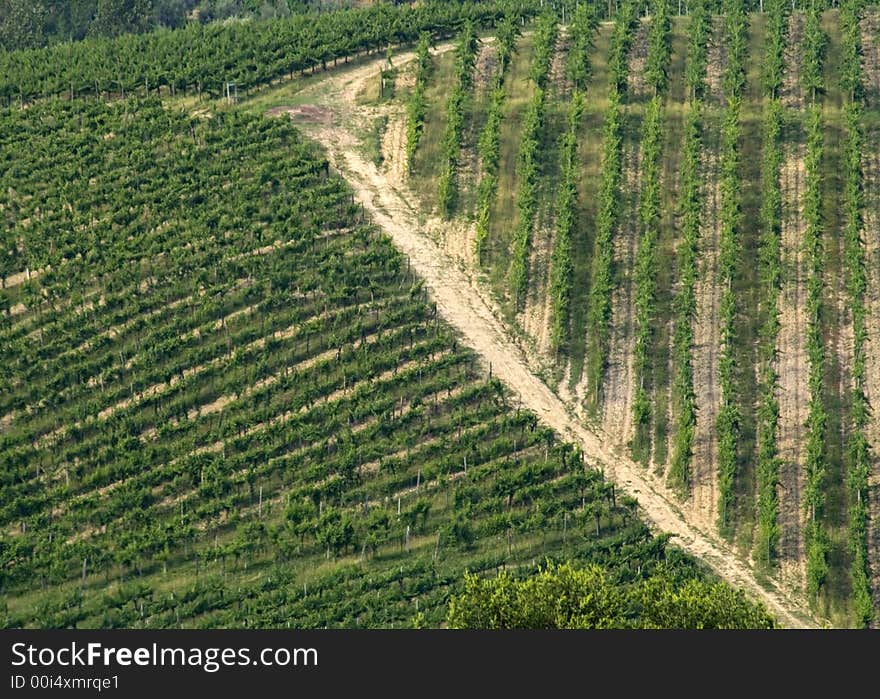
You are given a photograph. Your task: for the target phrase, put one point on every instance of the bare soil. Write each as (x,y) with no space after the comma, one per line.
(716,60)
(618,387)
(792,368)
(638,56)
(792,94)
(871,238)
(559,81)
(535,317)
(871,54)
(707,342)
(394,148)
(792,365)
(485,68)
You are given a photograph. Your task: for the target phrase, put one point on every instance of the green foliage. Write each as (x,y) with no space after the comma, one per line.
(465,56)
(561,266)
(698,605)
(815,465)
(22,24)
(684,402)
(683,394)
(625,22)
(858,455)
(247,53)
(729,416)
(602,266)
(527,163)
(815,43)
(489,144)
(114,17)
(253,384)
(777,34)
(769,257)
(546,29)
(698,36)
(581,31)
(851,75)
(602,269)
(659,46)
(646,271)
(645,277)
(417,106)
(736,29)
(561,596)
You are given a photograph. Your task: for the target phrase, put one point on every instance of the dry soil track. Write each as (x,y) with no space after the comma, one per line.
(336,122)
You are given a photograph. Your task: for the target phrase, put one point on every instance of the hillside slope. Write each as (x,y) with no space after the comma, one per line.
(230,402)
(735,71)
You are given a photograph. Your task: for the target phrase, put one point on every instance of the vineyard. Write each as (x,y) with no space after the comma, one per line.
(682,238)
(230,400)
(235,406)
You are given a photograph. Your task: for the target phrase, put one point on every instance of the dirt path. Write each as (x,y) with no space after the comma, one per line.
(716,59)
(663,468)
(871,55)
(394,146)
(558,80)
(871,236)
(618,387)
(871,164)
(468,310)
(792,363)
(707,341)
(793,391)
(535,317)
(638,57)
(485,68)
(20,278)
(792,94)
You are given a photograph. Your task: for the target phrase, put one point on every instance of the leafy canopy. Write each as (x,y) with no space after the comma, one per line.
(561,596)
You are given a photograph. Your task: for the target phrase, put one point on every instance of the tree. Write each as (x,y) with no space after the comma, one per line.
(22,24)
(116,17)
(696,604)
(561,596)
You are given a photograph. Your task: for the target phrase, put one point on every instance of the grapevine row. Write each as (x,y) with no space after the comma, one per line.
(465,57)
(815,46)
(645,274)
(602,268)
(769,258)
(729,417)
(245,53)
(684,406)
(489,144)
(583,28)
(417,106)
(816,461)
(527,164)
(277,395)
(859,457)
